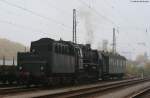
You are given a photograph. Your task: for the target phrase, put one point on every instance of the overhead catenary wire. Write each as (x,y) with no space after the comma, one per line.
(116,10)
(99,14)
(123,18)
(103,16)
(58,9)
(22,26)
(36,14)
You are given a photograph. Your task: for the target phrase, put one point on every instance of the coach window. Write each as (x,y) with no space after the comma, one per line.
(74,50)
(121,63)
(117,62)
(78,52)
(113,62)
(63,49)
(67,50)
(109,61)
(59,49)
(124,63)
(56,48)
(71,50)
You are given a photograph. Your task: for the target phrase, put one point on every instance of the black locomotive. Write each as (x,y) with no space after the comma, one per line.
(50,62)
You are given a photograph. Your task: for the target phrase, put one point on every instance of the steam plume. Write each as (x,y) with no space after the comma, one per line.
(89,24)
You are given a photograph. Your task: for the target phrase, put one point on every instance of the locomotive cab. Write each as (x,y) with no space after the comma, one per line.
(33,65)
(31,68)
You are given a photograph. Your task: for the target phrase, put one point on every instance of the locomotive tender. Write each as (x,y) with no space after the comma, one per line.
(51,61)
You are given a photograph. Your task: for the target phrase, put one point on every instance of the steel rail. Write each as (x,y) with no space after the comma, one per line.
(91,90)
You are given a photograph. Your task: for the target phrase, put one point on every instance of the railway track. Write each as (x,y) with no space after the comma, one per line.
(84,92)
(65,92)
(14,90)
(7,85)
(145,93)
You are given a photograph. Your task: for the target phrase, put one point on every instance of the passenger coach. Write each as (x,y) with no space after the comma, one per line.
(114,65)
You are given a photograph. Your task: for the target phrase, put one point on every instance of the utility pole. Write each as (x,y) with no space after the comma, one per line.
(13,60)
(25,49)
(3,60)
(114,41)
(74,26)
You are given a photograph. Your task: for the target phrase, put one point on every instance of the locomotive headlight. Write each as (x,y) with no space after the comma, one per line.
(42,68)
(20,67)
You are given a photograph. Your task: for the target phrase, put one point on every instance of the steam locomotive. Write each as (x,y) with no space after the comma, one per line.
(52,62)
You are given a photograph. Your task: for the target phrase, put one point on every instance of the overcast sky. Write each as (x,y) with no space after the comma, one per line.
(24,21)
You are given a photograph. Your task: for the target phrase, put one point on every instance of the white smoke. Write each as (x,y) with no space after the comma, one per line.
(88,18)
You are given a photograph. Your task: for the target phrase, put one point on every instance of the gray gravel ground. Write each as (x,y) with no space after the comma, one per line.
(124,92)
